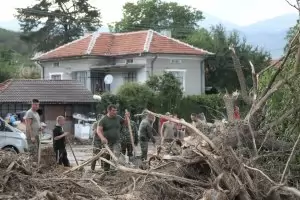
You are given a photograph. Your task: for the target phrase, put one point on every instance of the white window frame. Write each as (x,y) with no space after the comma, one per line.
(80,78)
(131,75)
(55,74)
(184,74)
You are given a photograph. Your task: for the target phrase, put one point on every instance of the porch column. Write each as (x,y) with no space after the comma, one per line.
(88,81)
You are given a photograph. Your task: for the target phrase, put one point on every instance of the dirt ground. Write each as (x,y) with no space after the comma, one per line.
(84,152)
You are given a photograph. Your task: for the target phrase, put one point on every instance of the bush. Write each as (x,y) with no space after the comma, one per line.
(211,105)
(136,97)
(106,99)
(168,90)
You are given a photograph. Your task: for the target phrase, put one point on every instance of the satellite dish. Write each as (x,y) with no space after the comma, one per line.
(97,97)
(108,79)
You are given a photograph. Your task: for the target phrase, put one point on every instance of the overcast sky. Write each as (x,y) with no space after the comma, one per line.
(240,12)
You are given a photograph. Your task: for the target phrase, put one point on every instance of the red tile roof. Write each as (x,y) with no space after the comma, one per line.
(114,44)
(51,91)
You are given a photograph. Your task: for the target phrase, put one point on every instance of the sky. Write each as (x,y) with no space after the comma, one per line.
(239,12)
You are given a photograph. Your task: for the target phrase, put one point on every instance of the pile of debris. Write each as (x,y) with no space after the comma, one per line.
(191,169)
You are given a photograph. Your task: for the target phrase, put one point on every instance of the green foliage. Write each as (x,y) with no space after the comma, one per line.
(162,94)
(136,97)
(219,68)
(168,89)
(285,98)
(6,71)
(11,40)
(49,24)
(14,65)
(211,105)
(107,99)
(158,15)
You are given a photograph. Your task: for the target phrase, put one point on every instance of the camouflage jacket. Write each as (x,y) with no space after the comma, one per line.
(125,134)
(146,131)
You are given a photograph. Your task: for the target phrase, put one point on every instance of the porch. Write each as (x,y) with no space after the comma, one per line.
(94,78)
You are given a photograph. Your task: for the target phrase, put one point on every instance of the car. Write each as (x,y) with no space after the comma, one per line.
(12,139)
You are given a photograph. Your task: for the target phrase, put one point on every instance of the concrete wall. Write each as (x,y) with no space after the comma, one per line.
(191,66)
(67,67)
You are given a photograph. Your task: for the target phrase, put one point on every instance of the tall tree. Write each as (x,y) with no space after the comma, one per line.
(158,15)
(49,24)
(219,68)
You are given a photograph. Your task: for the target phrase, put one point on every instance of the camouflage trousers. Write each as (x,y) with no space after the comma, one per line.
(144,149)
(115,148)
(125,146)
(33,147)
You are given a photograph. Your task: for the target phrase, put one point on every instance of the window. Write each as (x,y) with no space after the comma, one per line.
(129,61)
(179,74)
(56,64)
(56,76)
(80,77)
(130,77)
(175,61)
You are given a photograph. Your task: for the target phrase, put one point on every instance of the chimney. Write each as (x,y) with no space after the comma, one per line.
(166,32)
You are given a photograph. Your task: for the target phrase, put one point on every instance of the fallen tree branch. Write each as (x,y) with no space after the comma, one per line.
(205,138)
(290,157)
(167,176)
(96,157)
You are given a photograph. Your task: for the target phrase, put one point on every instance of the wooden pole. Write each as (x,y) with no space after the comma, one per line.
(39,149)
(72,151)
(131,134)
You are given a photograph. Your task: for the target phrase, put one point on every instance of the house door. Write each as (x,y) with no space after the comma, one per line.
(97,81)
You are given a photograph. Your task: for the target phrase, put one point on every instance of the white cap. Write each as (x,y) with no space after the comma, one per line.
(43,124)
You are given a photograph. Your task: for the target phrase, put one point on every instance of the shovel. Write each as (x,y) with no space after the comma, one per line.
(72,150)
(39,150)
(135,161)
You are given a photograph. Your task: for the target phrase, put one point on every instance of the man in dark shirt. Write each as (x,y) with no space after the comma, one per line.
(108,132)
(59,142)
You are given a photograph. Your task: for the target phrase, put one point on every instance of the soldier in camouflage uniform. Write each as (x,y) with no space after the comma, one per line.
(146,134)
(126,138)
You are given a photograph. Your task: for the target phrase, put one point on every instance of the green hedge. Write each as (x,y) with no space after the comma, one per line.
(136,101)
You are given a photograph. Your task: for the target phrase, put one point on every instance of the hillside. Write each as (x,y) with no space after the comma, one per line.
(11,40)
(268,34)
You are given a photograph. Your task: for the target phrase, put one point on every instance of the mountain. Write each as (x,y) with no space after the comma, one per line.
(268,34)
(12,25)
(211,20)
(11,40)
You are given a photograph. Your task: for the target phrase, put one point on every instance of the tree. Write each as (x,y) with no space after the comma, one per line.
(158,15)
(49,24)
(136,97)
(7,65)
(168,90)
(219,68)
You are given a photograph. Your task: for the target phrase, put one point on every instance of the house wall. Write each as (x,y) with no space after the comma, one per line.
(66,67)
(51,112)
(119,77)
(194,75)
(193,66)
